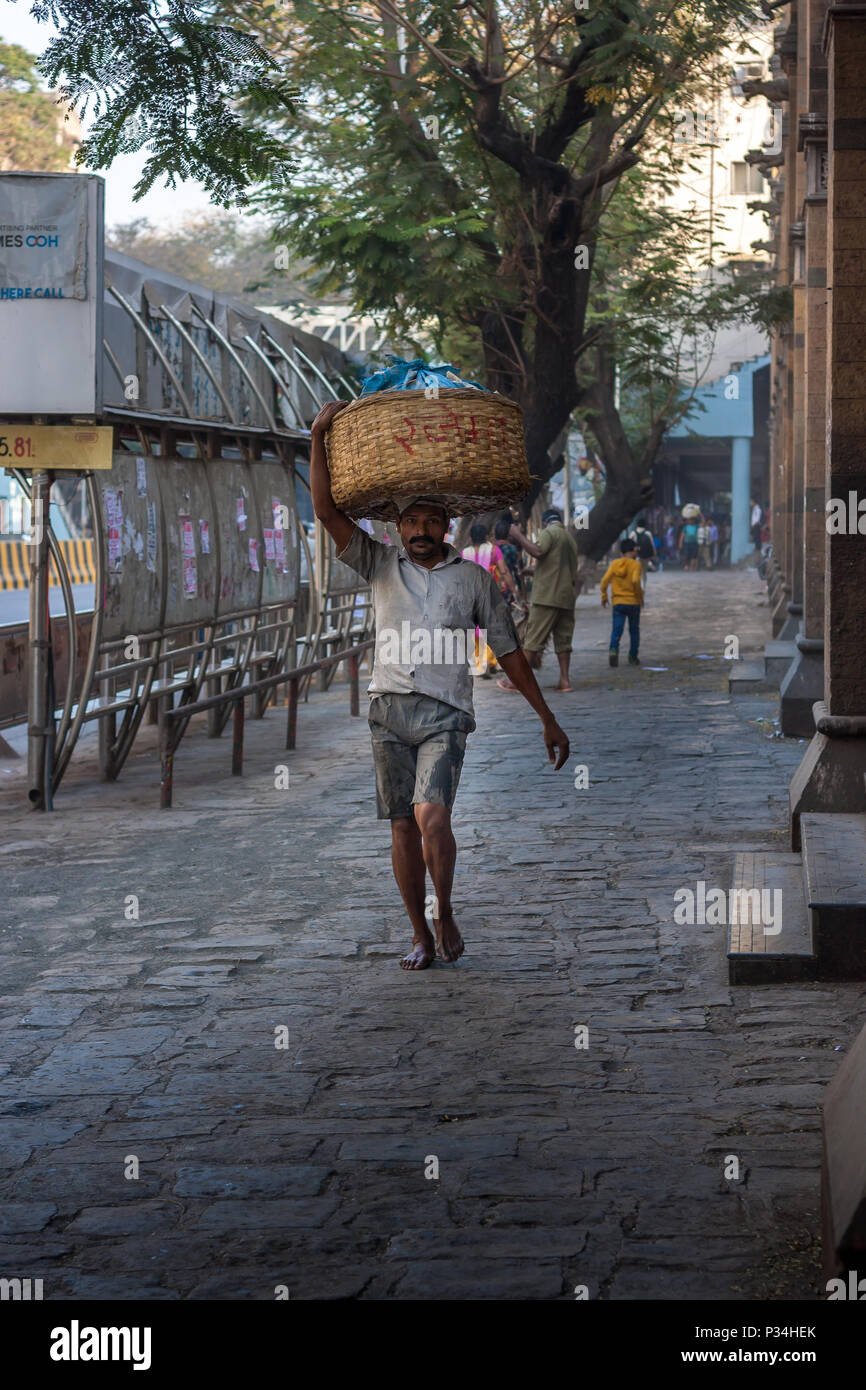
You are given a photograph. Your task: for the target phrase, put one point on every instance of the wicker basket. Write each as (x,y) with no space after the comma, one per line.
(464,447)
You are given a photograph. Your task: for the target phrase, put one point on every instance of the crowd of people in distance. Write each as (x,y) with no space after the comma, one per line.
(698,541)
(702,539)
(539,580)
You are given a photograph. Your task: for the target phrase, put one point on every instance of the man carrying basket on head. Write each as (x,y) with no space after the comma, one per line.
(421,709)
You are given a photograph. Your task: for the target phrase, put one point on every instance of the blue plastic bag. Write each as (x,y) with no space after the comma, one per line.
(416,375)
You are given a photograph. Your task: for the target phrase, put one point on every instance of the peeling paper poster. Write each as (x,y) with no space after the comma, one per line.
(187,536)
(113,506)
(254,555)
(114,518)
(242,515)
(190,582)
(204,537)
(280,552)
(269,543)
(141,477)
(150,550)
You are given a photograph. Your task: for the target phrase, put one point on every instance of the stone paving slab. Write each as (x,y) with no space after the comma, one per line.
(438,1135)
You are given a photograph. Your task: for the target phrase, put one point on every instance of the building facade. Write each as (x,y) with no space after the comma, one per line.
(818,500)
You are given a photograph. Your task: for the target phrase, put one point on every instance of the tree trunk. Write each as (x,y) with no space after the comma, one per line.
(628,480)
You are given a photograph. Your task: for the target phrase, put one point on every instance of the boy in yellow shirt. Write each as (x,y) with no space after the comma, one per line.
(623,577)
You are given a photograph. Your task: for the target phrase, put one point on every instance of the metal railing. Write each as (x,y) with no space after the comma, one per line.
(235,701)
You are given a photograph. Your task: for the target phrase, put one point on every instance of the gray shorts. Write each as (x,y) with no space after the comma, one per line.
(418,747)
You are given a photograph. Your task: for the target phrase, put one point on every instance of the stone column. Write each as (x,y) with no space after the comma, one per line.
(741,473)
(783,625)
(804,682)
(798,413)
(831,776)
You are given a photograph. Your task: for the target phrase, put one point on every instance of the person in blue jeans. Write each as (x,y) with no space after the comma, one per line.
(623,578)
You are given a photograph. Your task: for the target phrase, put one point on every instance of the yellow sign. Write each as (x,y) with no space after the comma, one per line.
(55,447)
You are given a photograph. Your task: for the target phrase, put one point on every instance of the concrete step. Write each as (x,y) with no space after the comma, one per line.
(834,879)
(757,955)
(746,677)
(778,657)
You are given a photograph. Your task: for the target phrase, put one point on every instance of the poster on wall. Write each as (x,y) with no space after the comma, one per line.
(150,551)
(114,525)
(43,238)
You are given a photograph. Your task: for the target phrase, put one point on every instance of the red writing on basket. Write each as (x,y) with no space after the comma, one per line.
(440,425)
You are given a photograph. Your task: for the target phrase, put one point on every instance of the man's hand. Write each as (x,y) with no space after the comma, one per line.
(556,742)
(604,600)
(516,668)
(322,422)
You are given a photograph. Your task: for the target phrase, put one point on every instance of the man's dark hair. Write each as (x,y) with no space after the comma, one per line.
(502,529)
(552,514)
(478,533)
(627,545)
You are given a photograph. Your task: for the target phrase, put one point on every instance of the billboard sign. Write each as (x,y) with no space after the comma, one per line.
(43,238)
(51,293)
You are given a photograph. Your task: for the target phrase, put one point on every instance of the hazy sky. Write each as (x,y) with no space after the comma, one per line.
(161,206)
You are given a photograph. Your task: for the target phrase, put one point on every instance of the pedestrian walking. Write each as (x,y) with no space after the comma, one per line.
(704,556)
(511,554)
(714,542)
(689,544)
(515,597)
(755,524)
(483,552)
(646,550)
(660,552)
(623,578)
(554,593)
(671,541)
(421,711)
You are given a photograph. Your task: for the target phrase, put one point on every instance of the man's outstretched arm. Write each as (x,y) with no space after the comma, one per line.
(334,521)
(517,669)
(524,542)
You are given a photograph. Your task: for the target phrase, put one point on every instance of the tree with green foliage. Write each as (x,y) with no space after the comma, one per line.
(460,169)
(29,116)
(657,304)
(449,165)
(166,76)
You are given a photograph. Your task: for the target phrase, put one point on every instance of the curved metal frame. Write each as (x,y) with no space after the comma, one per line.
(313,368)
(212,328)
(280,384)
(294,366)
(194,347)
(140,323)
(238,634)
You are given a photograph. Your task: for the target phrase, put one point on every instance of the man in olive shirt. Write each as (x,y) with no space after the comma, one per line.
(554,593)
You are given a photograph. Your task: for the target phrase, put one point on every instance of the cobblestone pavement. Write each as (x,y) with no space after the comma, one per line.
(153,1044)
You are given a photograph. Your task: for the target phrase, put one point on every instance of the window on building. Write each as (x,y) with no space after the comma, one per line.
(746,178)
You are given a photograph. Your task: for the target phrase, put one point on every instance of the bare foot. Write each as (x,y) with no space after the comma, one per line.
(421,956)
(449,942)
(506,684)
(562,687)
